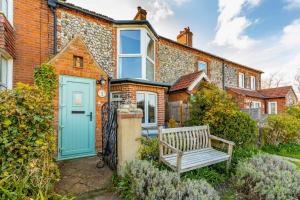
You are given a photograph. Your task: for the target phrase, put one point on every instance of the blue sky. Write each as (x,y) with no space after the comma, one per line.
(263,34)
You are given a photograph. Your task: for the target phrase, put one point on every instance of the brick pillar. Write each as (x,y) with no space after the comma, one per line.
(129,132)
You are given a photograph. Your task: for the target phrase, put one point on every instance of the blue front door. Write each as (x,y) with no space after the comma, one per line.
(77,121)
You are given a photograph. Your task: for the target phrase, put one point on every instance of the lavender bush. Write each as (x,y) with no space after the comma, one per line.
(268,177)
(140,180)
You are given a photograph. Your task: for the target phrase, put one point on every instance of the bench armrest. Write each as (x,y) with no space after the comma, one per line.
(221,140)
(171,147)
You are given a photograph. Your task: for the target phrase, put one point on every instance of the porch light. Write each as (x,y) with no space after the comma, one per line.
(101,81)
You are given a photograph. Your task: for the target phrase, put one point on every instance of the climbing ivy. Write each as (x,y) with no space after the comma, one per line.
(46,79)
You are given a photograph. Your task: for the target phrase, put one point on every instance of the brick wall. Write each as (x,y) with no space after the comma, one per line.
(64,65)
(281,104)
(130,89)
(33,22)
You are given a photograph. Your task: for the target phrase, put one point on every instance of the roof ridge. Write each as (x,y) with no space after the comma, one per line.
(96,14)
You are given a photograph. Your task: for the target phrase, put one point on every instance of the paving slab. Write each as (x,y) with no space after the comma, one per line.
(81,176)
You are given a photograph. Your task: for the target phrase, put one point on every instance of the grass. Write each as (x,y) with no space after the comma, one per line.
(297,164)
(287,150)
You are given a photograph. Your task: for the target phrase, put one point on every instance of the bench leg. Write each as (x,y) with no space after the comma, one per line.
(230,149)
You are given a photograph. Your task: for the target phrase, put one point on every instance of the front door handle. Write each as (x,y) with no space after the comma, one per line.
(91,116)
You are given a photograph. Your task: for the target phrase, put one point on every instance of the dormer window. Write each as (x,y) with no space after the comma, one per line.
(136,58)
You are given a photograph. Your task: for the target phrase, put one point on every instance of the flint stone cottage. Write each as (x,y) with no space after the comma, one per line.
(146,69)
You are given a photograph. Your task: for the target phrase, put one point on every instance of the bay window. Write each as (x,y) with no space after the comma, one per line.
(4,7)
(3,73)
(147,101)
(136,57)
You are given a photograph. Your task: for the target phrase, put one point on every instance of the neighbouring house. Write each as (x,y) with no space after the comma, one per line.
(86,48)
(271,101)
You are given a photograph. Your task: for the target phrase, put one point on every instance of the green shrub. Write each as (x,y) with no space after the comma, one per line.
(140,180)
(268,177)
(27,143)
(149,149)
(294,111)
(214,107)
(282,128)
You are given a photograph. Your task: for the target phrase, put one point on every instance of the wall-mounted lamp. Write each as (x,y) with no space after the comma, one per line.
(101,81)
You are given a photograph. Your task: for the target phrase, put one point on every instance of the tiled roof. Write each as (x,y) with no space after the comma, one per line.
(185,81)
(249,93)
(279,92)
(276,92)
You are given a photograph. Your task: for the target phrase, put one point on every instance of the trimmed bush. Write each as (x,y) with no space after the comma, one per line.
(268,177)
(214,107)
(282,128)
(140,180)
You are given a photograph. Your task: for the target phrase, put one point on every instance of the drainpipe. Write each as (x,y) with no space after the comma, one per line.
(52,4)
(223,74)
(108,91)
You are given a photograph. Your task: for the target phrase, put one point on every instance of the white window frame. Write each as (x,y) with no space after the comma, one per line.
(255,103)
(146,124)
(9,10)
(9,72)
(269,108)
(143,54)
(252,82)
(241,80)
(203,62)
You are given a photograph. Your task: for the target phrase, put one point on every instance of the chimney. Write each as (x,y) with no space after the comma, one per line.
(141,14)
(185,37)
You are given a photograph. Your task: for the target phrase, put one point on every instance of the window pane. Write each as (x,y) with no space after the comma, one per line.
(151,108)
(140,99)
(130,42)
(3,71)
(131,67)
(150,47)
(4,7)
(150,71)
(202,66)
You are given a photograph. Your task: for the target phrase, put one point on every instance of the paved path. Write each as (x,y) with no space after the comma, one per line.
(82,178)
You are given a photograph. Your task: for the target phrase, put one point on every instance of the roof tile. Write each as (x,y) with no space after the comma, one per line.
(185,81)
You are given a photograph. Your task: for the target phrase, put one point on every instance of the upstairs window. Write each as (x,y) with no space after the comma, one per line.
(253,83)
(150,58)
(4,7)
(241,80)
(202,66)
(136,57)
(3,73)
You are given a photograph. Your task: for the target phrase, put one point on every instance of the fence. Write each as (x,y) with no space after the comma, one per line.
(178,111)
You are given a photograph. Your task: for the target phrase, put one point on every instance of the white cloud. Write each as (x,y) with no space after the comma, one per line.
(292,4)
(291,34)
(126,9)
(277,53)
(158,10)
(231,25)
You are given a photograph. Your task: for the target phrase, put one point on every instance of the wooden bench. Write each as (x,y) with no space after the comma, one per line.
(188,148)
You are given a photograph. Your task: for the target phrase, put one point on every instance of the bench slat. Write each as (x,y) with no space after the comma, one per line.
(193,146)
